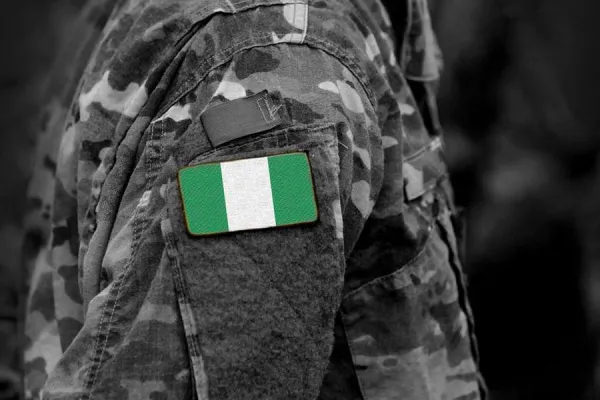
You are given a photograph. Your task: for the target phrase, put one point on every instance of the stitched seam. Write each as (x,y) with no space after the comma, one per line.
(137,227)
(260,107)
(116,144)
(199,11)
(95,365)
(118,288)
(188,319)
(154,153)
(98,363)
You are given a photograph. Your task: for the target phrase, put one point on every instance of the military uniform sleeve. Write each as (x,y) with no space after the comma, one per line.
(239,232)
(265,316)
(245,307)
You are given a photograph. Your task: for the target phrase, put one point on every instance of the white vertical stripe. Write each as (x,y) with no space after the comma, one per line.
(305,22)
(248,197)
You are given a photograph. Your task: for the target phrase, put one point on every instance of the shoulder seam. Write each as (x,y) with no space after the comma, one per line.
(315,43)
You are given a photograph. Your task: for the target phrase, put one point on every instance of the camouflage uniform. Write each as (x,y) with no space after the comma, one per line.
(368,303)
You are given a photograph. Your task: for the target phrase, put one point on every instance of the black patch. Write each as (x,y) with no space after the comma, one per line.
(90,151)
(239,118)
(320,4)
(301,112)
(252,62)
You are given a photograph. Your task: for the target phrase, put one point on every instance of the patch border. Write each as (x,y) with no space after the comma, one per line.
(312,181)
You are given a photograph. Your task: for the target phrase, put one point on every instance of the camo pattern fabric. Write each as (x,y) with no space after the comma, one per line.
(42,348)
(368,303)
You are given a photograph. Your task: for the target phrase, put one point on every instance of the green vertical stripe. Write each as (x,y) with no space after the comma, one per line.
(292,188)
(203,199)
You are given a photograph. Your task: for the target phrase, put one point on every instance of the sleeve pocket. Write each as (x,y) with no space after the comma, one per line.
(258,305)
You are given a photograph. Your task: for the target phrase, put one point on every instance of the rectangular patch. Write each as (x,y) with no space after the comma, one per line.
(254,193)
(240,118)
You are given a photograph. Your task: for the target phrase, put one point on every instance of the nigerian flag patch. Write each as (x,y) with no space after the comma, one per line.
(254,193)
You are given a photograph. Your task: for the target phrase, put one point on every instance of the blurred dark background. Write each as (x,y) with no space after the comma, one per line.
(29,34)
(518,101)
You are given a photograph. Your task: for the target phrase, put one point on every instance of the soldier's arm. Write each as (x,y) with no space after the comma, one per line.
(182,286)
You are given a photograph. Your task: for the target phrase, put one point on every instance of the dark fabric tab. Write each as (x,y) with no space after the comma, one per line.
(239,118)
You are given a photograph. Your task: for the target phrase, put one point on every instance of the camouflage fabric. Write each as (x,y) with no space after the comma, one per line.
(367,303)
(42,347)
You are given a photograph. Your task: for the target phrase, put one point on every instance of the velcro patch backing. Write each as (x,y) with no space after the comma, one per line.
(239,118)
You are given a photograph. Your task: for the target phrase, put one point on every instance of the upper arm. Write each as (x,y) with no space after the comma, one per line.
(316,95)
(251,310)
(267,298)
